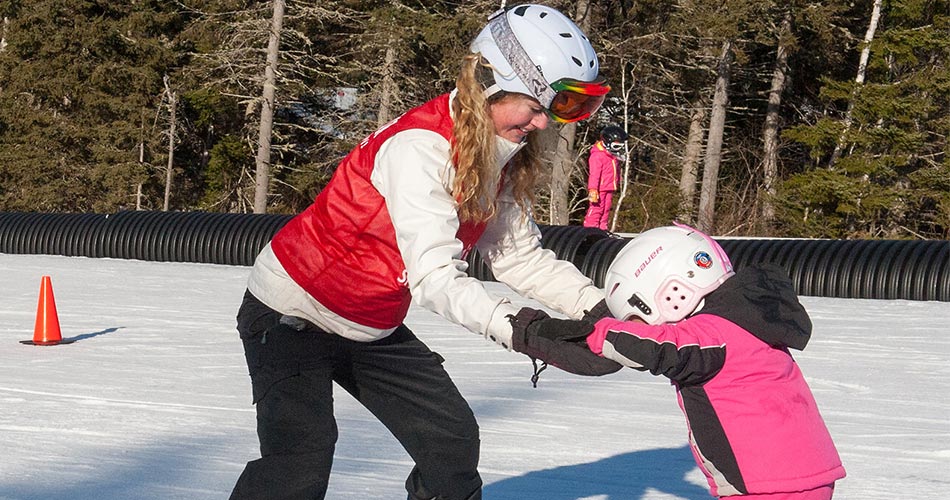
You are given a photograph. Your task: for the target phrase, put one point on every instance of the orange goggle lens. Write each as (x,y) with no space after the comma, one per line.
(576,100)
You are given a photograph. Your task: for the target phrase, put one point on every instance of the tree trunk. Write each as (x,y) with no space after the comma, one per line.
(693,152)
(561,167)
(770,130)
(717,125)
(3,33)
(624,186)
(170,170)
(138,188)
(858,80)
(625,90)
(262,177)
(388,86)
(564,156)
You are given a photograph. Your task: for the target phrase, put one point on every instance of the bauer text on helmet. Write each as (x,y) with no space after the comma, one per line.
(662,275)
(536,50)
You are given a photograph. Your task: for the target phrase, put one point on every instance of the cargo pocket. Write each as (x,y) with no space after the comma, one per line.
(254,319)
(279,352)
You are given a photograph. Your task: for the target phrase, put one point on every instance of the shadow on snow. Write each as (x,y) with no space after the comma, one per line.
(623,477)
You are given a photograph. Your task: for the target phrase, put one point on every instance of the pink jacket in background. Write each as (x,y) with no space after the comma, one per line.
(754,426)
(602,166)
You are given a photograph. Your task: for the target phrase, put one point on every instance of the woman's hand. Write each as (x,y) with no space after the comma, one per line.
(558,342)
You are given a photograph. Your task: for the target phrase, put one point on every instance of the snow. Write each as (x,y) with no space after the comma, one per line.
(152,400)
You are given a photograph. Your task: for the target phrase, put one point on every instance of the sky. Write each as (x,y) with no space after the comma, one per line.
(152,399)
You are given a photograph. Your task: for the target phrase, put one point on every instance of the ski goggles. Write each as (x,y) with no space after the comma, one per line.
(576,100)
(566,100)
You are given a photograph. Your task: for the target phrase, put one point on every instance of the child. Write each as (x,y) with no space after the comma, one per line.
(723,340)
(605,158)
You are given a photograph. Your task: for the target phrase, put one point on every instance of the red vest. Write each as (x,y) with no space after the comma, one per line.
(342,248)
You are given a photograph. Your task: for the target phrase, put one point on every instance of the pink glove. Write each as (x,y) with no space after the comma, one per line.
(595,341)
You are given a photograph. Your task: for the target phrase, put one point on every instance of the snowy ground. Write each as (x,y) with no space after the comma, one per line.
(152,400)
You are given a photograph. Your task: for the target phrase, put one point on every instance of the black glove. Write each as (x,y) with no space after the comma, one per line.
(558,342)
(598,312)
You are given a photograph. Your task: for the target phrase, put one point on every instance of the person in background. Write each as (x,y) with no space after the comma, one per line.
(603,175)
(328,296)
(723,339)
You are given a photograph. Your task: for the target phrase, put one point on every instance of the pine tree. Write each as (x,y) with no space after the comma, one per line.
(893,177)
(72,101)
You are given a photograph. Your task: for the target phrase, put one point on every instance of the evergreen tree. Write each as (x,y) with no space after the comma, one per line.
(77,99)
(84,116)
(893,178)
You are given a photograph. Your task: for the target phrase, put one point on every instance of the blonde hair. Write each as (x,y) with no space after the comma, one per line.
(473,147)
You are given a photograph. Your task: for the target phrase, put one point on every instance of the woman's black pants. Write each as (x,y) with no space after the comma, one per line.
(293,365)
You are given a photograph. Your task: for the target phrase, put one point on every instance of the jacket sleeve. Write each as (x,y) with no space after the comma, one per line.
(413,174)
(598,163)
(511,245)
(688,353)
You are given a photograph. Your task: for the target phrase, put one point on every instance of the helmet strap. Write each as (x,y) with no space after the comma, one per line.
(492,90)
(516,56)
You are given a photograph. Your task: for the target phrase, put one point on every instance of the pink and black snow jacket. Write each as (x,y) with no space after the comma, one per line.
(602,175)
(754,426)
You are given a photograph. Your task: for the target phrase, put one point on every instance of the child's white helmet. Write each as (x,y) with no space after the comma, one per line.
(662,275)
(537,51)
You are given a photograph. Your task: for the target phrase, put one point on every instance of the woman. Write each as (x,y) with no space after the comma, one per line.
(327,297)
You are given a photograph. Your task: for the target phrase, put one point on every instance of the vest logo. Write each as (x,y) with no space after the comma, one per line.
(404,278)
(378,131)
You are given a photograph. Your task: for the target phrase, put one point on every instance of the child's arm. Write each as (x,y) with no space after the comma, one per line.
(596,164)
(688,352)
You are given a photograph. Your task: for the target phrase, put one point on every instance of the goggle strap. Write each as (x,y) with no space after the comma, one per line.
(524,68)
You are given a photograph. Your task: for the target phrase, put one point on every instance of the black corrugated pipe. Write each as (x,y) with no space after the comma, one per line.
(215,238)
(599,257)
(873,269)
(868,269)
(571,243)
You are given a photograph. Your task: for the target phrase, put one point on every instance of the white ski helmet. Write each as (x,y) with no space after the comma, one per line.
(538,51)
(662,275)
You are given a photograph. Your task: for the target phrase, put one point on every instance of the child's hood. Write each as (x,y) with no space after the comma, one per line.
(761,299)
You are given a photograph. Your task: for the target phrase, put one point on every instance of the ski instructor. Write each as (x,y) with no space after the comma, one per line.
(327,297)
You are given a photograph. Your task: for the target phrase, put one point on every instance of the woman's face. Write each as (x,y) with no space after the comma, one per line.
(515,115)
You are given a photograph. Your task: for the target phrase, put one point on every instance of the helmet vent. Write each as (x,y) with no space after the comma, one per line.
(577,62)
(566,35)
(640,304)
(520,11)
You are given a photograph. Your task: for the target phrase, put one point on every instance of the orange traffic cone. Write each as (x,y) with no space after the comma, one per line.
(46,331)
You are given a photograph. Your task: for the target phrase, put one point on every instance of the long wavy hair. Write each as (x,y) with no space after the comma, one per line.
(473,147)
